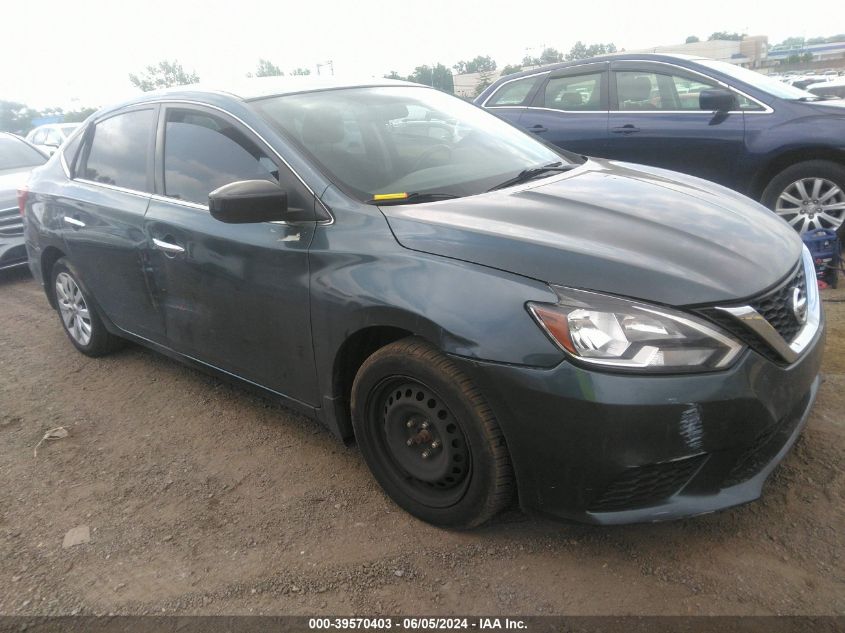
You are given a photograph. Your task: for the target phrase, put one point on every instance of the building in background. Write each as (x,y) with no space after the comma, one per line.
(829,51)
(751,51)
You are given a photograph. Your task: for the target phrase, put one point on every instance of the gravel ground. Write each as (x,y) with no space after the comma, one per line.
(201,498)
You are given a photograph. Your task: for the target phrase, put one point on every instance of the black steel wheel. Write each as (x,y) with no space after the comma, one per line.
(429,437)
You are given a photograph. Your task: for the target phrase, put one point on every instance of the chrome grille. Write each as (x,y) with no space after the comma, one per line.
(776,306)
(774,310)
(11,222)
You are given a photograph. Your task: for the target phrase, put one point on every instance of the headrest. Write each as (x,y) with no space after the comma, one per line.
(634,88)
(571,100)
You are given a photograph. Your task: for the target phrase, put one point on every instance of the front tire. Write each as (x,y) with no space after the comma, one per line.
(78,314)
(809,195)
(429,437)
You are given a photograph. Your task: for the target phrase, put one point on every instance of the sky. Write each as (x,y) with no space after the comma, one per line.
(74,54)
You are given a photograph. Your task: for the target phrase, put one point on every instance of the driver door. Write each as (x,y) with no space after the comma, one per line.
(234,296)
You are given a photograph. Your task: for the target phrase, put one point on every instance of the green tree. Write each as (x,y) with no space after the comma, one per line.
(511,69)
(582,51)
(692,39)
(550,56)
(301,71)
(485,78)
(163,75)
(393,75)
(477,65)
(724,35)
(789,42)
(266,68)
(438,77)
(16,117)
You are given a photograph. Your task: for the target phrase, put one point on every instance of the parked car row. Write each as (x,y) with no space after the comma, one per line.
(772,142)
(17,159)
(482,311)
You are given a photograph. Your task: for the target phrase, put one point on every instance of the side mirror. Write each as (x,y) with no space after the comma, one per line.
(718,100)
(248,202)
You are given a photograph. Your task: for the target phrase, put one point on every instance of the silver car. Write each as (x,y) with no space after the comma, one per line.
(17,159)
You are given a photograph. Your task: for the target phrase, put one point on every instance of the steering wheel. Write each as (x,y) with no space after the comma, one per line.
(428,153)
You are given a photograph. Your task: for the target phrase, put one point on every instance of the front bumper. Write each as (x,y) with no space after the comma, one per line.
(609,448)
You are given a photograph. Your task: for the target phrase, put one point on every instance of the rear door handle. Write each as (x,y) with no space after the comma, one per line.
(78,224)
(167,247)
(625,129)
(537,129)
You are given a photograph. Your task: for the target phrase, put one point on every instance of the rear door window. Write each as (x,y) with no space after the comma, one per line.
(574,92)
(119,152)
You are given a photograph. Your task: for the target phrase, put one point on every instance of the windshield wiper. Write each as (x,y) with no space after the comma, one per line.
(415,197)
(528,174)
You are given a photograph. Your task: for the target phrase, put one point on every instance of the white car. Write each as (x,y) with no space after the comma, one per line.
(49,137)
(831,88)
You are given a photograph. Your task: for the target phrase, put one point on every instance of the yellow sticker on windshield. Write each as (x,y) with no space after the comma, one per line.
(390,196)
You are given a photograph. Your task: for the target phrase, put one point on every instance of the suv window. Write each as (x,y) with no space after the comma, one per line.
(203,152)
(576,92)
(119,151)
(513,93)
(38,137)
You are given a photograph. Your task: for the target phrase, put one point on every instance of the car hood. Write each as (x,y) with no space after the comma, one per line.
(613,227)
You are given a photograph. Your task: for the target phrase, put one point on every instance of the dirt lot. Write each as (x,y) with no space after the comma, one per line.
(204,499)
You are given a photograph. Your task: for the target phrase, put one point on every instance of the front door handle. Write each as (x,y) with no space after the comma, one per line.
(167,247)
(537,129)
(625,129)
(77,224)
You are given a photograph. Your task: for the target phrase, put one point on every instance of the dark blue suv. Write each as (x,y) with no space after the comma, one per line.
(777,144)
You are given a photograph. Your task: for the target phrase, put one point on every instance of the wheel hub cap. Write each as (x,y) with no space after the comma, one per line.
(74,310)
(812,203)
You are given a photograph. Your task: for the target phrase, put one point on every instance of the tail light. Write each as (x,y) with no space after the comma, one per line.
(23,193)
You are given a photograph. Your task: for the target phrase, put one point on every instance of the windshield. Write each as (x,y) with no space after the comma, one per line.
(390,140)
(67,130)
(15,154)
(761,82)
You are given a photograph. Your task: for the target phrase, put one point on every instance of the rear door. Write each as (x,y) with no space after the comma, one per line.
(570,109)
(102,217)
(235,296)
(655,119)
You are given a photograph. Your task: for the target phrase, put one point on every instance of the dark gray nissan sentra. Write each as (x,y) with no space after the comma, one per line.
(486,316)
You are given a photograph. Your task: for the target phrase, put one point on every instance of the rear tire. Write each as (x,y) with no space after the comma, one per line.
(78,313)
(809,195)
(429,437)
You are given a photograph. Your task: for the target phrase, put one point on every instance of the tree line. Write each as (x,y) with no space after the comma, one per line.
(18,117)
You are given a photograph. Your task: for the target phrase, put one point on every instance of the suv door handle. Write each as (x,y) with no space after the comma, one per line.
(537,129)
(625,129)
(167,247)
(77,224)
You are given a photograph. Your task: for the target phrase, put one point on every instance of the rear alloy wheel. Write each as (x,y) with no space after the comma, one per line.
(429,437)
(80,320)
(809,196)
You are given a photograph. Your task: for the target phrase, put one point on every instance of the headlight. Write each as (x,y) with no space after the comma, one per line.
(614,332)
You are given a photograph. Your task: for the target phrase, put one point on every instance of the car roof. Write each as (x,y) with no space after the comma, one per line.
(250,88)
(651,57)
